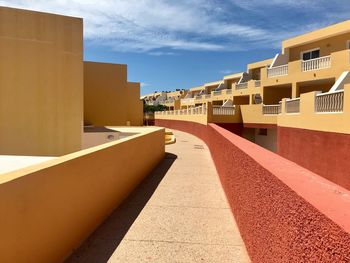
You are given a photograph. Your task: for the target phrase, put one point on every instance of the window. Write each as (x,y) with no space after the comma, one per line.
(348,44)
(262,131)
(307,55)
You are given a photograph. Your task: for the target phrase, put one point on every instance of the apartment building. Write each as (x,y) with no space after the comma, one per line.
(155,98)
(62,200)
(173,99)
(294,104)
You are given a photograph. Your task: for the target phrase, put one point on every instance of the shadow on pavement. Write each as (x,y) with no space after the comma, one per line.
(101,244)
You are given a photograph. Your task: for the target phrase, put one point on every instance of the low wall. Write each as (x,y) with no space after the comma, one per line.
(47,210)
(285,213)
(325,153)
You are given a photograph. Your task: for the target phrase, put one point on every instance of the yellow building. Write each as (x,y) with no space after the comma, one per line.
(109,99)
(49,208)
(155,98)
(41,83)
(173,100)
(294,104)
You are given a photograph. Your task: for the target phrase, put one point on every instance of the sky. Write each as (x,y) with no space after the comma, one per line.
(171,44)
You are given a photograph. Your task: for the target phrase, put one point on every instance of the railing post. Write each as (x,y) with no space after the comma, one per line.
(209,112)
(295,90)
(346,103)
(307,103)
(283,106)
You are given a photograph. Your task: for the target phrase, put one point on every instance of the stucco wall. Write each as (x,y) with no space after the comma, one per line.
(47,210)
(41,83)
(325,153)
(135,105)
(268,141)
(109,100)
(285,213)
(326,46)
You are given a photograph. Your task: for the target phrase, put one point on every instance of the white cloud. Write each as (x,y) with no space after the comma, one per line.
(148,25)
(161,53)
(143,84)
(253,4)
(162,27)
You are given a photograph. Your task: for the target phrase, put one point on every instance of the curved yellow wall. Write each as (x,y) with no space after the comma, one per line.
(47,210)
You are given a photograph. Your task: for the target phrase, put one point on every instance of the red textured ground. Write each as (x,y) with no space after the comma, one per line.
(285,213)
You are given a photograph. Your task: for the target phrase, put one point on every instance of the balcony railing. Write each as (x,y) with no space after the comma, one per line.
(217,93)
(316,63)
(257,83)
(271,109)
(277,71)
(187,100)
(219,110)
(243,85)
(330,102)
(207,96)
(228,91)
(191,111)
(198,97)
(293,105)
(169,101)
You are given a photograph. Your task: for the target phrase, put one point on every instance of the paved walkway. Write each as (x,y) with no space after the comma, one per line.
(178,214)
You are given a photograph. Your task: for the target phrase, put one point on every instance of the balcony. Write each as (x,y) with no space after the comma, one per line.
(257,83)
(277,71)
(187,101)
(293,105)
(330,102)
(243,85)
(316,64)
(219,110)
(203,114)
(223,94)
(271,109)
(217,93)
(318,111)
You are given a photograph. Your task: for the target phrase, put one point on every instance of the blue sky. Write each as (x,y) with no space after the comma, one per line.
(169,44)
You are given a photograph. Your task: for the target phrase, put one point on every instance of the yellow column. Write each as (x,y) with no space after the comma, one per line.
(295,90)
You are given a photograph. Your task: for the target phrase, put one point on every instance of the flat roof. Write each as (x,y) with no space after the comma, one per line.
(22,9)
(214,83)
(260,64)
(10,163)
(233,76)
(316,35)
(197,88)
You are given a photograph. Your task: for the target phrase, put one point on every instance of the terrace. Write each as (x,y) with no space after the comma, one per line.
(173,209)
(207,113)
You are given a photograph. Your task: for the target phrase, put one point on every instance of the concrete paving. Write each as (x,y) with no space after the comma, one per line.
(178,214)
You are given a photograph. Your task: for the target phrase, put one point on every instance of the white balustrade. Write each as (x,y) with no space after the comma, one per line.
(293,105)
(330,101)
(277,71)
(271,109)
(243,85)
(316,63)
(219,110)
